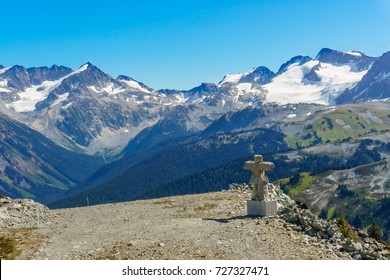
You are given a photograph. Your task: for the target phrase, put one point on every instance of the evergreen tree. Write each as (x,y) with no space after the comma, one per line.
(357,221)
(323,214)
(375,232)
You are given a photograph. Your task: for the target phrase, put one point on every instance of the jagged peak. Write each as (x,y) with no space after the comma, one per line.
(296,59)
(125,78)
(56,66)
(325,53)
(88,66)
(260,75)
(17,67)
(205,87)
(261,69)
(168,91)
(134,84)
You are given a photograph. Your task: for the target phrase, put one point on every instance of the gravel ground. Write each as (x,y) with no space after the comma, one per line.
(203,226)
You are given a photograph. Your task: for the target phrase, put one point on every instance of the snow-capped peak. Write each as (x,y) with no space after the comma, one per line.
(306,80)
(295,86)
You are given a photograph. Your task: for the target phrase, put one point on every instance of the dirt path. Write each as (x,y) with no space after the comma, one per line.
(205,226)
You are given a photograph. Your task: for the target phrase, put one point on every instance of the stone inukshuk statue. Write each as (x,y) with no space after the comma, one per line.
(260,204)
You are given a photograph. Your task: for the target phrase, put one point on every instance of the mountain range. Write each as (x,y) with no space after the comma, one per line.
(89,111)
(69,137)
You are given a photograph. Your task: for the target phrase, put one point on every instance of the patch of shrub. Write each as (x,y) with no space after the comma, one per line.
(346,229)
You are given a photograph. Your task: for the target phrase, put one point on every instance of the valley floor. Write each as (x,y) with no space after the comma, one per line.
(203,226)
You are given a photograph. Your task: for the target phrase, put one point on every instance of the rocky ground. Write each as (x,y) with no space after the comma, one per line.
(203,226)
(20,213)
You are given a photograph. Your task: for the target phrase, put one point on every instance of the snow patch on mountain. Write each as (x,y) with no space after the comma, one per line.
(354,53)
(292,87)
(3,86)
(32,95)
(135,85)
(81,69)
(248,88)
(244,87)
(180,98)
(3,82)
(111,89)
(37,93)
(2,70)
(290,116)
(66,106)
(60,99)
(231,78)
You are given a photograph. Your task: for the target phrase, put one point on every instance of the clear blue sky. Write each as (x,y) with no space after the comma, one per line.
(179,44)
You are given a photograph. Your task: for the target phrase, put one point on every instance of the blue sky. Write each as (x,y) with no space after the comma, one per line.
(179,44)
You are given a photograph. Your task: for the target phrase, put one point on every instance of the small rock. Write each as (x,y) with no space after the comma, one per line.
(374,247)
(368,256)
(368,240)
(311,232)
(385,253)
(348,247)
(317,226)
(331,231)
(302,221)
(358,246)
(293,219)
(323,235)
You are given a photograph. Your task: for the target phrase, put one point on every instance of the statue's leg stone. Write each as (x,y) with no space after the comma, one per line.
(256,188)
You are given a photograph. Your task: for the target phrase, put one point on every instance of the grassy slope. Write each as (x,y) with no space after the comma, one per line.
(342,124)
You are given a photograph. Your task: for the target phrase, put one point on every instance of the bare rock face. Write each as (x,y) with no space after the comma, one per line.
(15,213)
